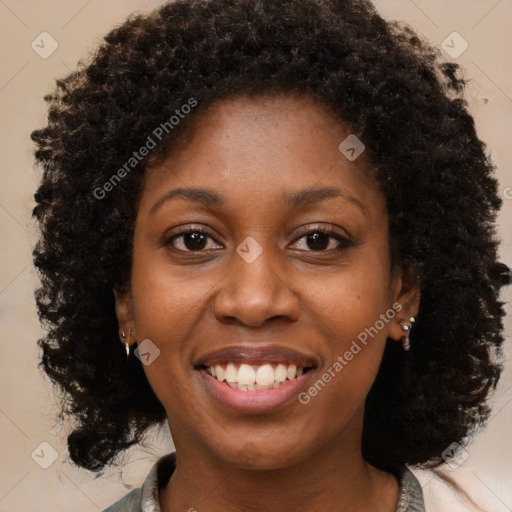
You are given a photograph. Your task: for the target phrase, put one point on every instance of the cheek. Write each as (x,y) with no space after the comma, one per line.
(166,298)
(167,306)
(166,311)
(354,312)
(353,300)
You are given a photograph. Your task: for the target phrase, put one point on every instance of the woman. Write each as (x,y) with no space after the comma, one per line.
(282,212)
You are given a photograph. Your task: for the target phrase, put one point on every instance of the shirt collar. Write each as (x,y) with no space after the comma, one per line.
(157,478)
(411,494)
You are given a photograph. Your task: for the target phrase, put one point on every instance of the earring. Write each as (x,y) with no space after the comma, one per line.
(407,329)
(126,344)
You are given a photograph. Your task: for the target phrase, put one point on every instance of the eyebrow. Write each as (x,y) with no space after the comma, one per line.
(294,199)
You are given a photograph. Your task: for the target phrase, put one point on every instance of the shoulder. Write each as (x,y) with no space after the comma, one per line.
(411,494)
(146,498)
(131,502)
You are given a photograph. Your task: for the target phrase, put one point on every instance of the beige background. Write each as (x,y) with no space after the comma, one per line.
(27,405)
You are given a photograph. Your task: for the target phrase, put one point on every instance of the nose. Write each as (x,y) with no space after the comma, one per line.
(254,292)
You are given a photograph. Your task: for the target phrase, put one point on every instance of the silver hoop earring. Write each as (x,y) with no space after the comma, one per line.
(126,344)
(406,342)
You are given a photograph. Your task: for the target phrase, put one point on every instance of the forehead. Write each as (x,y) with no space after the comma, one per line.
(254,149)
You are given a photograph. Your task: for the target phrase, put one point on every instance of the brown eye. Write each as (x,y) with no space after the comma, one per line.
(192,240)
(321,240)
(318,241)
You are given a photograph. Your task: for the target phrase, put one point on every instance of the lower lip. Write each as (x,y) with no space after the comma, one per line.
(264,401)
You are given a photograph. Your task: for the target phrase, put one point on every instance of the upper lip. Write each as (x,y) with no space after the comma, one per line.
(257,355)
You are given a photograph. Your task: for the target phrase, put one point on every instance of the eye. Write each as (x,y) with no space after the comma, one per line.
(192,239)
(322,239)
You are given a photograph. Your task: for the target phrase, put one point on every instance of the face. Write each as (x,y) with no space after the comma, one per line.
(280,260)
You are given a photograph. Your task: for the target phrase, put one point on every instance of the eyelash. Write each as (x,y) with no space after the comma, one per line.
(344,242)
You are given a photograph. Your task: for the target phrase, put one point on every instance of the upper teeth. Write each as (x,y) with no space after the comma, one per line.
(248,377)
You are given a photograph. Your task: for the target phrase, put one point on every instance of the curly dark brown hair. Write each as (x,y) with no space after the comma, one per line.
(383,82)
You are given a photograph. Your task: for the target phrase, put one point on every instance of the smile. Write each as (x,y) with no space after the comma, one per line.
(246,377)
(255,378)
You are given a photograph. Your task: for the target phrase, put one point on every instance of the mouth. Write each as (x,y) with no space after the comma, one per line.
(255,379)
(251,377)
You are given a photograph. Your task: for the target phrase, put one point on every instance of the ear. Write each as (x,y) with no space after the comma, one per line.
(124,314)
(406,297)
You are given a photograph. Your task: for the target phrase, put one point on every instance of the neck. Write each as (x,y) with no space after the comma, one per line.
(334,477)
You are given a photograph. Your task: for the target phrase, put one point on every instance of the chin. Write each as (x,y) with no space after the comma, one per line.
(264,457)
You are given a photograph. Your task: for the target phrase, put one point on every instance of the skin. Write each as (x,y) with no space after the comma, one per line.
(190,303)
